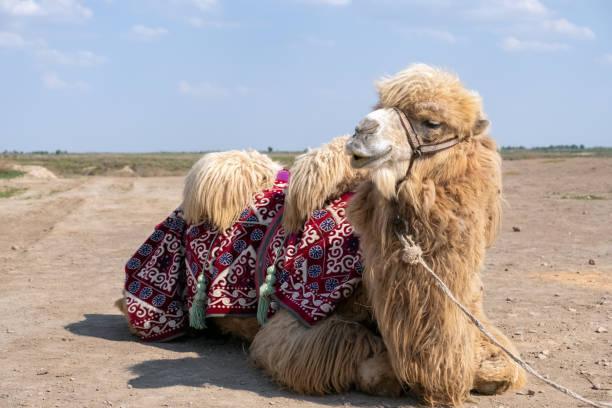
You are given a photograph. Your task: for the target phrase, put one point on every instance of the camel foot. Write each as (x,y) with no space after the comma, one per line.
(375,376)
(497,374)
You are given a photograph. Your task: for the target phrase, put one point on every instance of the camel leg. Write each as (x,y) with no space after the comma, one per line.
(330,357)
(496,372)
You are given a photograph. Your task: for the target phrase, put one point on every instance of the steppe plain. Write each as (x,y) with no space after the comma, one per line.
(64,242)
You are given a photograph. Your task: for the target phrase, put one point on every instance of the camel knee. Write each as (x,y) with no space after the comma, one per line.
(319,360)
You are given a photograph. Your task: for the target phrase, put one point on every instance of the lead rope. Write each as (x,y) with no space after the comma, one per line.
(412,254)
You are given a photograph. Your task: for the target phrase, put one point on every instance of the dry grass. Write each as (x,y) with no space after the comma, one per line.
(9,174)
(553,154)
(584,197)
(178,164)
(101,164)
(9,192)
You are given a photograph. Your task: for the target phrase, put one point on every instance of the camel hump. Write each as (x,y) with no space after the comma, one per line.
(318,176)
(221,184)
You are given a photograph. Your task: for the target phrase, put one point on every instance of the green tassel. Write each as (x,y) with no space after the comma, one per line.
(197,316)
(197,313)
(265,292)
(262,310)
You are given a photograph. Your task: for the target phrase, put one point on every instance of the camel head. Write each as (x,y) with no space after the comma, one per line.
(434,103)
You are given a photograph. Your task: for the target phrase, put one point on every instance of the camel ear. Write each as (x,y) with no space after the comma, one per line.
(480,126)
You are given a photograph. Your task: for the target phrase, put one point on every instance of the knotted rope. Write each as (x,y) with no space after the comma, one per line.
(412,254)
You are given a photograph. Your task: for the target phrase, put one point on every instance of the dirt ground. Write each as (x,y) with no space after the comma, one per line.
(64,242)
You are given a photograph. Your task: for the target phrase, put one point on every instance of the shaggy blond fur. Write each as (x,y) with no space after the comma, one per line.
(335,355)
(422,90)
(317,176)
(220,185)
(398,328)
(451,202)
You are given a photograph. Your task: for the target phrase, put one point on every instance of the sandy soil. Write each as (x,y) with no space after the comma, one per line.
(64,242)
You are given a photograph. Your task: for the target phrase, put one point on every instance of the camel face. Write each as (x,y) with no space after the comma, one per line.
(378,139)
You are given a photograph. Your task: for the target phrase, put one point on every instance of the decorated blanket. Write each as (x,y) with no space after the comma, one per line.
(313,270)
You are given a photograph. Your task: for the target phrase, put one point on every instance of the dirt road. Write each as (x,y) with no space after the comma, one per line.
(63,244)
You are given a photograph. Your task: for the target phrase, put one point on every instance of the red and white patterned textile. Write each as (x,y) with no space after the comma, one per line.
(316,269)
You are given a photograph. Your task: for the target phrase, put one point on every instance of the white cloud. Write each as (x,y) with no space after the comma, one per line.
(11,40)
(439,35)
(563,26)
(79,59)
(148,33)
(52,81)
(65,9)
(525,6)
(204,5)
(607,58)
(327,2)
(514,44)
(20,7)
(488,9)
(203,89)
(39,49)
(531,16)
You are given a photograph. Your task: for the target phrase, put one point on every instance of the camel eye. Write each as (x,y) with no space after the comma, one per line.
(432,124)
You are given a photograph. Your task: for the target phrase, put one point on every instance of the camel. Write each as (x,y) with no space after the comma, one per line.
(420,164)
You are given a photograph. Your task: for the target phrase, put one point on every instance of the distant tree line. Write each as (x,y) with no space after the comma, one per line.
(58,151)
(550,148)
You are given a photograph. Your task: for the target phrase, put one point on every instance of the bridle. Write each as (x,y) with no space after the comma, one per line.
(420,149)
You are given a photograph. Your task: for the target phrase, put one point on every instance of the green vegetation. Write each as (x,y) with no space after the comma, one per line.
(8,192)
(9,174)
(72,164)
(553,152)
(285,158)
(99,164)
(66,164)
(584,197)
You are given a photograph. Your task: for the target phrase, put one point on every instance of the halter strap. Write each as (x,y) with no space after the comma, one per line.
(413,138)
(416,143)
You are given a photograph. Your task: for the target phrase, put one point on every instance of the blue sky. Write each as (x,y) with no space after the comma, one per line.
(192,75)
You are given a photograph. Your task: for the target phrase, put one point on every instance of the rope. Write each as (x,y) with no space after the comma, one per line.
(412,255)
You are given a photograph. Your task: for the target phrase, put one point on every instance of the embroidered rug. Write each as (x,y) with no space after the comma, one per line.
(316,269)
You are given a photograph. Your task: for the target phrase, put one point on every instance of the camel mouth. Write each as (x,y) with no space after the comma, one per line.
(360,160)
